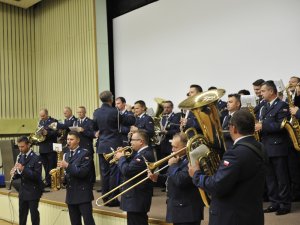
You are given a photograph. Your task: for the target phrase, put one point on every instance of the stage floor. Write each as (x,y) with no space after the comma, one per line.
(158,208)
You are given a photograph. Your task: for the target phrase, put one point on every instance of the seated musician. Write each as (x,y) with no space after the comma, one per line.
(184,204)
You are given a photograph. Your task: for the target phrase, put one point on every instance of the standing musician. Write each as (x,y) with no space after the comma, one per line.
(294,155)
(259,99)
(48,156)
(124,129)
(233,105)
(77,163)
(29,168)
(237,186)
(222,105)
(142,120)
(189,120)
(277,146)
(137,201)
(170,125)
(64,127)
(86,135)
(184,204)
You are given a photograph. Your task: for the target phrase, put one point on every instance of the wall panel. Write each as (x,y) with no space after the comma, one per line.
(66,55)
(17,77)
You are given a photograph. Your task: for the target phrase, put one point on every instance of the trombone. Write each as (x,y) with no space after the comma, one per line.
(150,166)
(127,150)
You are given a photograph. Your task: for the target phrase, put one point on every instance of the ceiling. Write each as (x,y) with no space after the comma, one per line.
(21,3)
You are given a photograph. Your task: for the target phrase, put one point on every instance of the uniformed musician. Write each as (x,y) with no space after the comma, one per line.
(184,204)
(29,168)
(77,163)
(137,201)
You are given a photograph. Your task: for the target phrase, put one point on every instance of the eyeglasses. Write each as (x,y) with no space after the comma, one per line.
(135,139)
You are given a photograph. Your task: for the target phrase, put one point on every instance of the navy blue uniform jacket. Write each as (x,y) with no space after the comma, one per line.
(237,187)
(107,120)
(78,177)
(276,140)
(87,136)
(146,123)
(51,137)
(184,203)
(172,128)
(138,199)
(31,178)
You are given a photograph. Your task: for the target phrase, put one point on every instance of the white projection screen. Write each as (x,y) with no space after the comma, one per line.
(162,48)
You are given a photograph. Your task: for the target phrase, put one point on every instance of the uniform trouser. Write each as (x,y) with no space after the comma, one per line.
(137,218)
(93,171)
(85,210)
(278,182)
(109,175)
(24,207)
(294,171)
(49,161)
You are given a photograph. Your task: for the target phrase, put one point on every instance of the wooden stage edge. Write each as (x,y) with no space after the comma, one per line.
(95,210)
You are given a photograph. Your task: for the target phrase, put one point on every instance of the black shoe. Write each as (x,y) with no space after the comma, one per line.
(46,190)
(99,190)
(270,209)
(282,211)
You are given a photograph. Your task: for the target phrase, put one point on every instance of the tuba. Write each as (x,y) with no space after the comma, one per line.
(156,119)
(209,147)
(292,126)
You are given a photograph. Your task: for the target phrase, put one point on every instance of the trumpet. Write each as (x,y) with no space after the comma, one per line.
(150,166)
(127,152)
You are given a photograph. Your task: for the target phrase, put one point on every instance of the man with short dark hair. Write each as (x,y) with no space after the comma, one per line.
(188,118)
(233,105)
(29,168)
(277,144)
(107,120)
(237,186)
(143,120)
(259,100)
(137,201)
(77,163)
(124,129)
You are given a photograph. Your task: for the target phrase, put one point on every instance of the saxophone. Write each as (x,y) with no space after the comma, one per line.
(292,126)
(251,110)
(57,174)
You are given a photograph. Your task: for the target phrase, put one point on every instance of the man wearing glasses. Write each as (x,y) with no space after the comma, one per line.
(237,186)
(137,201)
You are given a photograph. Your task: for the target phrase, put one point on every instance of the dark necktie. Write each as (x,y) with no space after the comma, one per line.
(226,122)
(71,155)
(137,120)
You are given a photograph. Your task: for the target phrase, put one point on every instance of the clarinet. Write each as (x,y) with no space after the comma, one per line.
(14,169)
